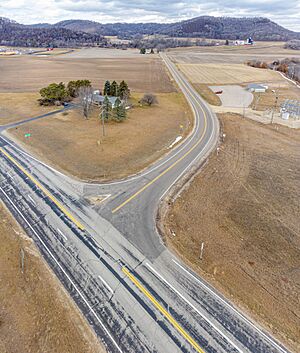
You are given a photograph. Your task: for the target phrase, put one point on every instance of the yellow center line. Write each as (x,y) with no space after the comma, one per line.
(169,317)
(45,191)
(166,170)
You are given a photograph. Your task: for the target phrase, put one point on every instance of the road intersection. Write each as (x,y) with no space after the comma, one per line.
(109,256)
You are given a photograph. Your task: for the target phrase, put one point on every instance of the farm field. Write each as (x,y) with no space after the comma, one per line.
(36,313)
(143,73)
(267,51)
(128,147)
(245,208)
(226,73)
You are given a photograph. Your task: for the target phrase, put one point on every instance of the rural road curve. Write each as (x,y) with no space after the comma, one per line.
(133,291)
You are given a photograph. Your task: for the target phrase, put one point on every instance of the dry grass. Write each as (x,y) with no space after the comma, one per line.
(245,208)
(36,314)
(72,144)
(20,106)
(207,94)
(30,73)
(225,73)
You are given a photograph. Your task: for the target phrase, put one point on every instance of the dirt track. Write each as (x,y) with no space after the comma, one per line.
(245,208)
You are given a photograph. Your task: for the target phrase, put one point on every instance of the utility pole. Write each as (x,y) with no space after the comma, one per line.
(22,256)
(274,109)
(103,125)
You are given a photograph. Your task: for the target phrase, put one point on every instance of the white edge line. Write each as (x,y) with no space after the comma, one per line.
(31,199)
(61,233)
(194,308)
(106,284)
(67,276)
(232,308)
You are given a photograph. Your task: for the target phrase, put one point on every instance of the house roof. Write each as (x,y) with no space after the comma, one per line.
(99,99)
(255,86)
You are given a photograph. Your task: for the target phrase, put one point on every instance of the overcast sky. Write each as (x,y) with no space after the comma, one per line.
(286,13)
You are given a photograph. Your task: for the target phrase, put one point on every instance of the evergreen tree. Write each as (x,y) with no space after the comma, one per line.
(124,91)
(114,89)
(106,90)
(106,108)
(119,111)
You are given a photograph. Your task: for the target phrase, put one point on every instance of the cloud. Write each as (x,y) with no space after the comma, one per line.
(285,13)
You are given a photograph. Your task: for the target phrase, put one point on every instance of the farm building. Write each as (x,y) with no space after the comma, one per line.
(98,99)
(257,88)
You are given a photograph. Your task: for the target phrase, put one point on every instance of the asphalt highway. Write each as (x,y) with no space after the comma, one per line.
(136,294)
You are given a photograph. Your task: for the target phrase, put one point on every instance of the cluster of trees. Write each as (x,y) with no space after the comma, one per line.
(290,67)
(160,43)
(258,64)
(293,44)
(59,93)
(117,90)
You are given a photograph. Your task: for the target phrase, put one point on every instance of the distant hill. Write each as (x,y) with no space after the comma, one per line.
(205,27)
(230,28)
(112,29)
(84,33)
(43,35)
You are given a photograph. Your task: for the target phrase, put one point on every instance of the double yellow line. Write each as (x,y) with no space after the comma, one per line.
(166,170)
(44,190)
(163,310)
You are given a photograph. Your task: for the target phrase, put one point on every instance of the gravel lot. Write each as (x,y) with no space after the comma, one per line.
(234,96)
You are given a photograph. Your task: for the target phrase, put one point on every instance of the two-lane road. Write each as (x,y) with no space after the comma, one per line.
(135,293)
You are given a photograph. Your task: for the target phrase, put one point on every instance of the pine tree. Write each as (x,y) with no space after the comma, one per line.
(106,90)
(106,108)
(114,89)
(119,111)
(124,91)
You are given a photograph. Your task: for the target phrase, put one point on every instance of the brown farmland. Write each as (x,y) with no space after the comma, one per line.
(30,73)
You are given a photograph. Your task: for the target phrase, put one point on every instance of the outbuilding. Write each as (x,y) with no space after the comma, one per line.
(257,88)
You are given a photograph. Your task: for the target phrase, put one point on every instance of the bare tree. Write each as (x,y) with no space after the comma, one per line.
(85,94)
(149,99)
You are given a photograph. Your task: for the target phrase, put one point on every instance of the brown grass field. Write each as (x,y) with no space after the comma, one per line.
(207,94)
(245,208)
(31,73)
(20,106)
(226,73)
(36,314)
(72,144)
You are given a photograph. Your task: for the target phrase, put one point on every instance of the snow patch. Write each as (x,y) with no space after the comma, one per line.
(178,138)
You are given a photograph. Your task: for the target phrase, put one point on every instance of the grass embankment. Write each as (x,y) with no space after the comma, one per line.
(207,94)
